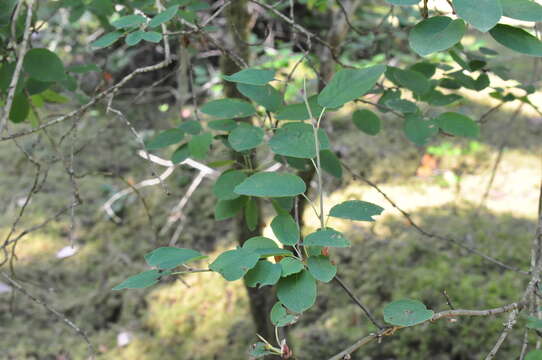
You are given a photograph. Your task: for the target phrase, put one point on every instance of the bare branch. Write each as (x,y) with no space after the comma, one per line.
(433,235)
(358,302)
(67,321)
(515,307)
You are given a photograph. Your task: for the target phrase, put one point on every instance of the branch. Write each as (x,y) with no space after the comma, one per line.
(433,235)
(19,65)
(356,300)
(515,307)
(67,321)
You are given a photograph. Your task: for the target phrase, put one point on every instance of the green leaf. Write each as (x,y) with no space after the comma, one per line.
(43,65)
(525,10)
(259,350)
(436,34)
(349,84)
(279,316)
(271,184)
(225,209)
(151,36)
(403,106)
(267,96)
(291,266)
(20,108)
(285,229)
(534,323)
(517,39)
(228,108)
(180,154)
(412,80)
(251,77)
(458,125)
(482,14)
(192,127)
(295,140)
(52,96)
(297,292)
(164,16)
(245,137)
(265,247)
(251,214)
(418,130)
(367,121)
(534,355)
(424,68)
(171,257)
(356,210)
(403,2)
(128,21)
(436,98)
(321,268)
(106,40)
(224,185)
(234,264)
(406,313)
(264,273)
(326,237)
(199,145)
(165,138)
(331,163)
(224,125)
(142,280)
(134,38)
(299,111)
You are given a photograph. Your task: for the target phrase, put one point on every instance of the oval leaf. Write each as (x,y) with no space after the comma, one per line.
(142,280)
(264,273)
(331,163)
(367,121)
(482,14)
(321,268)
(349,84)
(43,65)
(245,137)
(271,184)
(291,266)
(165,138)
(326,237)
(228,108)
(525,10)
(223,188)
(406,313)
(279,316)
(267,96)
(458,125)
(171,257)
(297,292)
(285,229)
(251,77)
(106,39)
(517,39)
(234,264)
(436,34)
(356,210)
(164,16)
(128,21)
(418,130)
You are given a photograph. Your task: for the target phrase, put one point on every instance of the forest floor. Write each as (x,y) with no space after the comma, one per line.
(206,317)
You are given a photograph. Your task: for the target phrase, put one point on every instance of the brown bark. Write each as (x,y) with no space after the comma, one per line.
(236,37)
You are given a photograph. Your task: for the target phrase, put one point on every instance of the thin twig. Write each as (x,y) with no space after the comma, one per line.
(507,328)
(438,316)
(429,234)
(62,317)
(358,302)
